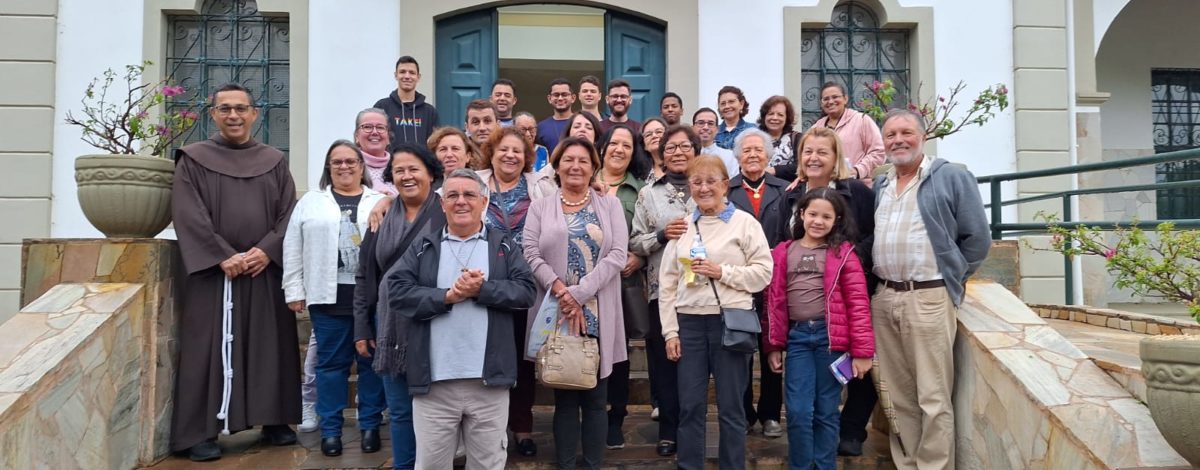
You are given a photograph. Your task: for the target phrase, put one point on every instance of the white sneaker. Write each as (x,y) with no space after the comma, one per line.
(654,414)
(309,414)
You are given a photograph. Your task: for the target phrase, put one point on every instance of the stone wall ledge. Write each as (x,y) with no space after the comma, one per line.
(70,379)
(1026,397)
(1117,319)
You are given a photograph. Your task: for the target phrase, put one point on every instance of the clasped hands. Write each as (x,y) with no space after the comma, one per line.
(253,262)
(570,311)
(465,287)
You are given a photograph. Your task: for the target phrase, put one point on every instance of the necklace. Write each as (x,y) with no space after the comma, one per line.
(470,249)
(757,191)
(563,197)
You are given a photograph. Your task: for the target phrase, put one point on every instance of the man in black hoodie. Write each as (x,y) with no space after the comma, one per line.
(412,119)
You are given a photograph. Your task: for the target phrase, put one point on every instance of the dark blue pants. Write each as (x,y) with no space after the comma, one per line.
(663,377)
(335,355)
(813,395)
(400,422)
(702,357)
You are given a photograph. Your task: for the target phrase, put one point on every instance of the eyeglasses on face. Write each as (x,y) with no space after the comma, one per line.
(672,148)
(345,163)
(698,183)
(468,196)
(240,109)
(373,127)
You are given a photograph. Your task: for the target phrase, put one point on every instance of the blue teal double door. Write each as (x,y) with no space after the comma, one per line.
(467,56)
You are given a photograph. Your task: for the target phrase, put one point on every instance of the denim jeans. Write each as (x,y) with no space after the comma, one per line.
(335,355)
(400,421)
(813,395)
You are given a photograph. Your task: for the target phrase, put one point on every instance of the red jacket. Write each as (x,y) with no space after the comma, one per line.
(847,305)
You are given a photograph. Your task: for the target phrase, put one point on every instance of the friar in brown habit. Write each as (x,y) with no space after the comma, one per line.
(232,198)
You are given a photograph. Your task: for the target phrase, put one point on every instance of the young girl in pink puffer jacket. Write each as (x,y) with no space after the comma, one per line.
(817,308)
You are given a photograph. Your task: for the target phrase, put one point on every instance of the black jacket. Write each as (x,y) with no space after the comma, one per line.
(508,294)
(769,213)
(861,200)
(370,274)
(411,122)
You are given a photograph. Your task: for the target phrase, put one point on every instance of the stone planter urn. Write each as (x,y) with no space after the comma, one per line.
(125,196)
(1171,366)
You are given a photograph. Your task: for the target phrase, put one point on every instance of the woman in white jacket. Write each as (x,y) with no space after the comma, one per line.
(320,259)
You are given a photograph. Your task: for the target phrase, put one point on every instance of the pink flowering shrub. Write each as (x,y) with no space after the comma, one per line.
(128,124)
(1165,266)
(938,112)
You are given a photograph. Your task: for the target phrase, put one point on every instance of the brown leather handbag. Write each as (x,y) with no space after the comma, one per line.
(569,362)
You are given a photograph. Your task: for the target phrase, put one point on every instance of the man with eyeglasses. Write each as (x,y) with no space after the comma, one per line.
(526,123)
(232,198)
(462,288)
(504,96)
(705,122)
(412,119)
(550,130)
(619,100)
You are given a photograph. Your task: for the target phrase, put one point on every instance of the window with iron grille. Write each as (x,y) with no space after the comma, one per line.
(229,41)
(854,51)
(1175,110)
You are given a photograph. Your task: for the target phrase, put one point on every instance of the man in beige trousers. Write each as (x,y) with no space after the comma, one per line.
(931,234)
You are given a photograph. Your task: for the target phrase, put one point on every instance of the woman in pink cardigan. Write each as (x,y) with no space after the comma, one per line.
(817,307)
(576,241)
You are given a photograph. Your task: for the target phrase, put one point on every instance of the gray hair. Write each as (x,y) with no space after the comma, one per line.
(908,113)
(359,116)
(470,174)
(768,146)
(522,114)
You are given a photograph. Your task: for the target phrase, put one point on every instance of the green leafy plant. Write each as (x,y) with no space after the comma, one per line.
(938,111)
(126,122)
(1166,265)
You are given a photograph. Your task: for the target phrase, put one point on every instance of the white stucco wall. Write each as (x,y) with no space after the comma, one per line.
(1145,36)
(84,52)
(352,59)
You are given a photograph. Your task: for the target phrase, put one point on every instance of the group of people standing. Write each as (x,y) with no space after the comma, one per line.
(427,251)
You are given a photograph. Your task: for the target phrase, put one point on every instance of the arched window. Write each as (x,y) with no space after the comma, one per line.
(229,41)
(854,51)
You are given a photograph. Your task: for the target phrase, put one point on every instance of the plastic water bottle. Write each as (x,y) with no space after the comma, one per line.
(698,251)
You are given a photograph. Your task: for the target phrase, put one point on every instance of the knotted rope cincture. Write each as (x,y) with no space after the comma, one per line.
(226,353)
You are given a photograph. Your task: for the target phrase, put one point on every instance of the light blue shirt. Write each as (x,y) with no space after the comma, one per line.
(458,340)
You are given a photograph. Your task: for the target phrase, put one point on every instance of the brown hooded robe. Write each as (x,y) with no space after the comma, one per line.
(228,198)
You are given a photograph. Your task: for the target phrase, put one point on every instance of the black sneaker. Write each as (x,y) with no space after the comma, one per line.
(205,451)
(850,446)
(616,438)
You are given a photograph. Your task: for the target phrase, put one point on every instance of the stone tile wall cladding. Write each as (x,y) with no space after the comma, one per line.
(71,379)
(153,264)
(1025,397)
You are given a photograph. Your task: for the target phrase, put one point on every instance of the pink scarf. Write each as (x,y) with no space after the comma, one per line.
(375,168)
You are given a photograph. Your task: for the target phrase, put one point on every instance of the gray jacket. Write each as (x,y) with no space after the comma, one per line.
(955,220)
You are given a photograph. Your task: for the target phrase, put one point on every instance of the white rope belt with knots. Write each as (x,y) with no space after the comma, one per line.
(226,353)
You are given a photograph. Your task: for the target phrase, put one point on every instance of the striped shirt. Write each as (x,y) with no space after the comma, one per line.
(902,250)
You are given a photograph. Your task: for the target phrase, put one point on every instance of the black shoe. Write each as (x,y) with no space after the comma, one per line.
(665,448)
(526,448)
(279,434)
(616,438)
(331,446)
(370,441)
(205,451)
(850,446)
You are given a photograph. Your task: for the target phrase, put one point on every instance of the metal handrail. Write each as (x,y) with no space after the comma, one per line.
(998,227)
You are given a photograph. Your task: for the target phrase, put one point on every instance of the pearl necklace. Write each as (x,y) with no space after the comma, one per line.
(563,197)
